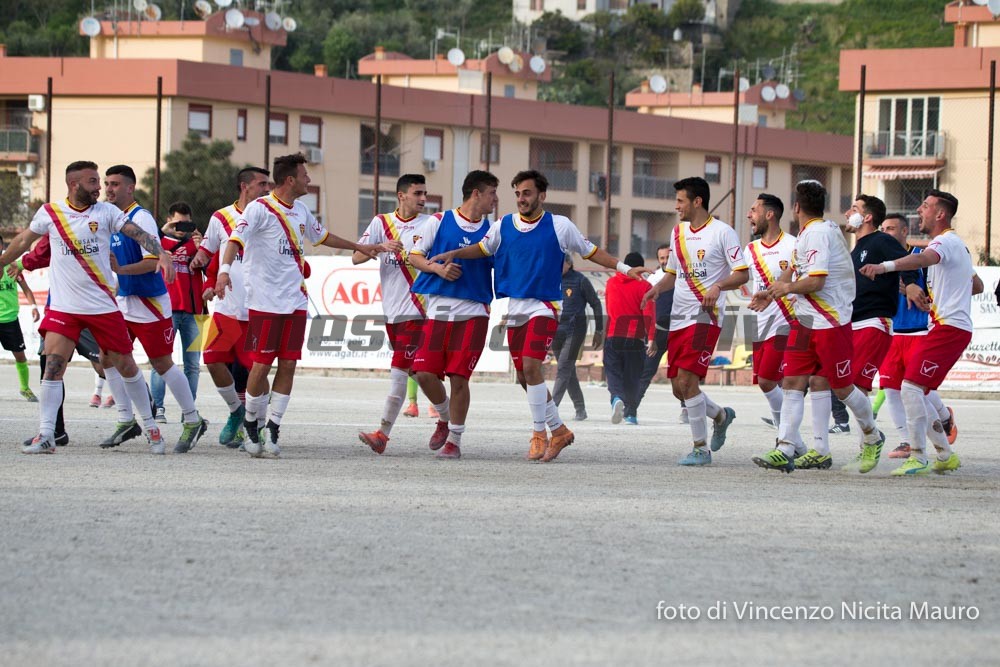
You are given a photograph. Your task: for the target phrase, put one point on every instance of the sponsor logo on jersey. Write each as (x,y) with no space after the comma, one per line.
(928,368)
(844,368)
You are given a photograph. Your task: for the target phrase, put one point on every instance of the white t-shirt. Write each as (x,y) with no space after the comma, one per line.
(145,309)
(519,311)
(767,263)
(821,250)
(949,282)
(395,271)
(220,228)
(700,258)
(271,234)
(448,308)
(80,276)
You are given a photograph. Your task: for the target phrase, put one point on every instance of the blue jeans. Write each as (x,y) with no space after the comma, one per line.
(187,330)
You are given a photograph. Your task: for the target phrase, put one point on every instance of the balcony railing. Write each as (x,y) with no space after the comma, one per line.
(599,184)
(904,144)
(652,187)
(388,165)
(559,179)
(18,144)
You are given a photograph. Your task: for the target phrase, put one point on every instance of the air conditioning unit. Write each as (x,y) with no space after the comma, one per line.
(36,102)
(430,165)
(314,155)
(26,169)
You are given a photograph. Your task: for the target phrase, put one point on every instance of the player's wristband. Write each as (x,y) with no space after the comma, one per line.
(224,268)
(889,266)
(20,265)
(623,268)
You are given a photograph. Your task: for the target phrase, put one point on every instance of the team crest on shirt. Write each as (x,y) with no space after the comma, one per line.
(864,253)
(783,264)
(569,292)
(302,230)
(93,226)
(416,239)
(701,255)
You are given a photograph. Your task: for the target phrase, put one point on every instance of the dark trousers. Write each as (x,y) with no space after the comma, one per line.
(652,364)
(566,347)
(623,364)
(839,410)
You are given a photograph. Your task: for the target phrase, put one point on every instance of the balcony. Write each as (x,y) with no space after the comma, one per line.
(903,145)
(599,184)
(560,179)
(388,165)
(18,145)
(652,187)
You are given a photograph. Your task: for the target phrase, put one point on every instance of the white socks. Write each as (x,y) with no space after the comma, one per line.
(897,413)
(552,415)
(455,432)
(935,400)
(138,392)
(279,403)
(98,384)
(256,407)
(916,419)
(696,417)
(230,396)
(538,397)
(444,414)
(792,408)
(50,398)
(394,399)
(938,437)
(712,409)
(117,386)
(861,408)
(178,385)
(822,408)
(774,398)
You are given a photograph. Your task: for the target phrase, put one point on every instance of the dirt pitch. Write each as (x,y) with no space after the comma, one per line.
(334,555)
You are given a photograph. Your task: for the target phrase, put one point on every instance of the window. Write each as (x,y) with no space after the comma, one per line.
(758,178)
(538,5)
(388,161)
(241,125)
(713,169)
(386,202)
(434,204)
(277,128)
(236,57)
(581,5)
(509,90)
(762,120)
(200,120)
(494,155)
(909,127)
(311,131)
(311,200)
(433,144)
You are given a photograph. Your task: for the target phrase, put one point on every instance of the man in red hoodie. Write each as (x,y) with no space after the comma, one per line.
(630,326)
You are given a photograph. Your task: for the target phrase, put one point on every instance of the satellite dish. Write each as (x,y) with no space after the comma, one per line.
(251,21)
(782,91)
(767,94)
(203,9)
(537,64)
(658,84)
(273,21)
(768,72)
(678,34)
(994,7)
(223,3)
(744,84)
(153,12)
(981,2)
(90,27)
(456,57)
(517,64)
(140,5)
(234,19)
(289,24)
(799,94)
(505,55)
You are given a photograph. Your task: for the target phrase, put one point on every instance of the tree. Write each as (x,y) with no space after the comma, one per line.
(13,212)
(199,173)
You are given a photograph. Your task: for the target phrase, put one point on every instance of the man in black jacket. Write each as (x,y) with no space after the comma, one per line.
(578,293)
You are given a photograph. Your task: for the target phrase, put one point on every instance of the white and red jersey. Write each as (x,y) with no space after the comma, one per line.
(767,263)
(80,276)
(949,282)
(821,250)
(220,227)
(570,240)
(272,234)
(395,271)
(145,309)
(700,258)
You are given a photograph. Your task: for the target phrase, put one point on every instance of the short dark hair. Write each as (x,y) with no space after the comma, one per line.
(898,216)
(695,186)
(875,206)
(181,207)
(634,259)
(247,173)
(663,246)
(946,201)
(406,180)
(772,203)
(538,177)
(478,180)
(810,195)
(80,165)
(285,166)
(121,170)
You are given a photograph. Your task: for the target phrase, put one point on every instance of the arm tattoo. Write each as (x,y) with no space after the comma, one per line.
(149,243)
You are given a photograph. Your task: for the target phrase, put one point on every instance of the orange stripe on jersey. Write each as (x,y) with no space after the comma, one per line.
(153,305)
(824,309)
(286,227)
(69,238)
(409,273)
(226,219)
(693,283)
(783,304)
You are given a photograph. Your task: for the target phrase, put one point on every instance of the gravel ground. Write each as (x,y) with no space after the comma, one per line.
(333,555)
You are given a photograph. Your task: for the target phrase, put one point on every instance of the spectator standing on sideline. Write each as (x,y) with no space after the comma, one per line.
(657,345)
(630,325)
(578,293)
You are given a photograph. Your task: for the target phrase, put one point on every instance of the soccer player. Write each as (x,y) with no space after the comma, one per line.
(528,250)
(11,336)
(459,294)
(143,300)
(820,343)
(405,311)
(81,293)
(768,257)
(226,341)
(271,233)
(951,283)
(706,262)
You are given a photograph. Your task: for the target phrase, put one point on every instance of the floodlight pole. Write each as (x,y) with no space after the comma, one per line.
(989,160)
(861,130)
(378,141)
(48,141)
(159,131)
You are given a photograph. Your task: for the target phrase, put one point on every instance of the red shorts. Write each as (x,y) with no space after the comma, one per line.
(451,348)
(276,335)
(691,348)
(109,329)
(532,339)
(870,348)
(404,339)
(227,341)
(896,361)
(934,356)
(823,352)
(156,338)
(768,356)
